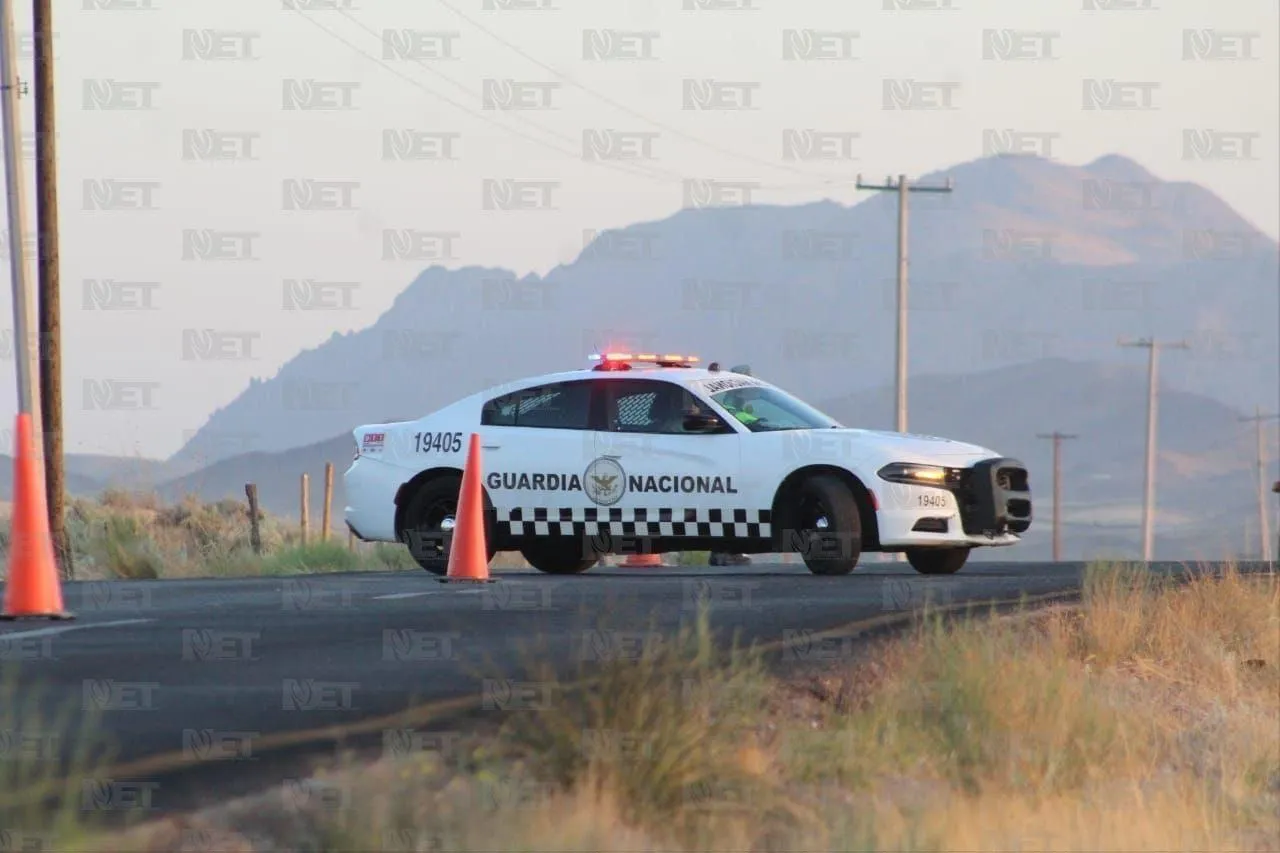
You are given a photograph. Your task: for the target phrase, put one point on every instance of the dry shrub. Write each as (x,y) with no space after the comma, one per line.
(666,730)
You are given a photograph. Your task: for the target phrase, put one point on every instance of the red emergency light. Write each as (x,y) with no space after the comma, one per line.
(625,360)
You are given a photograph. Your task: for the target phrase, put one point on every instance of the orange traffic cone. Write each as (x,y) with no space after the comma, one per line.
(33,590)
(468,554)
(642,561)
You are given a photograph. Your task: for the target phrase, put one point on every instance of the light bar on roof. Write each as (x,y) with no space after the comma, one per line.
(644,357)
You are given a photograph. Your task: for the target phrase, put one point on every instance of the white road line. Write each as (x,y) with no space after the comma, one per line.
(399,595)
(62,629)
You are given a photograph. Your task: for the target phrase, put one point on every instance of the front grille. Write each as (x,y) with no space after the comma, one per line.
(994,497)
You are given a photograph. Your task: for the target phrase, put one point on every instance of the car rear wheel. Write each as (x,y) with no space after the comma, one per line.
(558,558)
(429,522)
(829,527)
(937,561)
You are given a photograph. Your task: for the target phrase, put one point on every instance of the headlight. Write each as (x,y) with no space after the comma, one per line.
(915,475)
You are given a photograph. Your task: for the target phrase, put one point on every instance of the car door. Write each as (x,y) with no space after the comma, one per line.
(651,476)
(537,441)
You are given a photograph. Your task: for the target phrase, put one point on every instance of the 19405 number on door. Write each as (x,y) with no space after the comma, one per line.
(437,442)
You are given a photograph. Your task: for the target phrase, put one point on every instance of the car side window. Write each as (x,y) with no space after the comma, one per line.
(564,405)
(650,406)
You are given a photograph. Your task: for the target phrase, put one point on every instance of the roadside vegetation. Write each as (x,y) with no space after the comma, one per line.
(1144,719)
(133,536)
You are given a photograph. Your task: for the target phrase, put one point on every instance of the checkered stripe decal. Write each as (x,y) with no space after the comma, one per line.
(587,521)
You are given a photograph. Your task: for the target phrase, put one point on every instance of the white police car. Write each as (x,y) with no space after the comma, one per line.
(649,454)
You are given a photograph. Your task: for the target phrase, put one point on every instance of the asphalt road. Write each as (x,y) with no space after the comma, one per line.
(184,672)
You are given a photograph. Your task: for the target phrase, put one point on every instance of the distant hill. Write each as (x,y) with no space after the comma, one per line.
(1027,259)
(278,476)
(1205,482)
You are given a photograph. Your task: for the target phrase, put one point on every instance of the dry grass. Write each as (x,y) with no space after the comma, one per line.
(133,536)
(1146,719)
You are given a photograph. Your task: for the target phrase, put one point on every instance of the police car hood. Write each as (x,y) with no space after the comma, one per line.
(909,447)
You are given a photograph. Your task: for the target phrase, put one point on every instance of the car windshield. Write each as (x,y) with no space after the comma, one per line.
(764,409)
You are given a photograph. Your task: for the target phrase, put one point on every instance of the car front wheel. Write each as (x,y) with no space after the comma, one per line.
(829,526)
(558,558)
(937,561)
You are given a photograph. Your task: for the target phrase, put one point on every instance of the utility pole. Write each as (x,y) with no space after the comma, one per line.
(1149,499)
(903,188)
(1264,527)
(50,303)
(1057,490)
(25,350)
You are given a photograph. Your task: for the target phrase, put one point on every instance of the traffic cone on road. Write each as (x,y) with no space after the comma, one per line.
(33,589)
(468,552)
(642,561)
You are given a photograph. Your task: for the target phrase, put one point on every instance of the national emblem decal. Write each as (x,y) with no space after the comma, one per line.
(604,481)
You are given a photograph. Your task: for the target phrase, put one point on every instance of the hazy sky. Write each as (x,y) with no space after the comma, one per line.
(164,97)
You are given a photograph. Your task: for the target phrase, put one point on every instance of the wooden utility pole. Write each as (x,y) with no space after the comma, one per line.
(1264,526)
(1149,499)
(328,500)
(50,303)
(306,509)
(255,534)
(902,188)
(1057,490)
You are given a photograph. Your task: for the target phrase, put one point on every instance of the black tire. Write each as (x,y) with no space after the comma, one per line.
(832,548)
(558,557)
(423,535)
(937,561)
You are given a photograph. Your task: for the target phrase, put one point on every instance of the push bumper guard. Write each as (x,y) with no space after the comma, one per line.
(994,497)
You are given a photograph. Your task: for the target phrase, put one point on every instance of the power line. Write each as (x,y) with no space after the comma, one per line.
(1057,438)
(653,173)
(902,188)
(1149,496)
(621,167)
(1264,531)
(674,131)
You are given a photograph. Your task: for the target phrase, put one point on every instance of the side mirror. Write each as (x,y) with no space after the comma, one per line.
(702,423)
